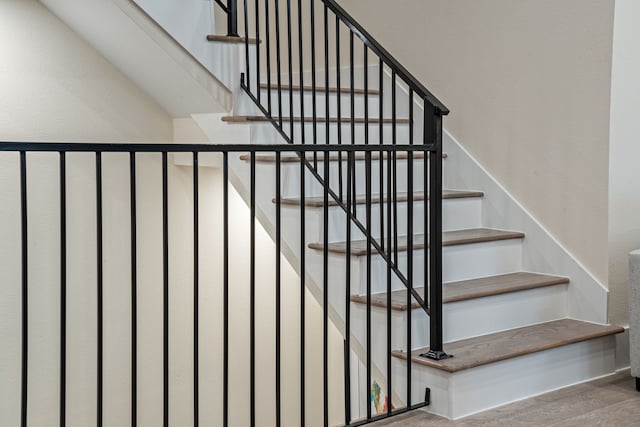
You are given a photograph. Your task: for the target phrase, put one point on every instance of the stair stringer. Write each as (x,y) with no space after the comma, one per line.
(542,252)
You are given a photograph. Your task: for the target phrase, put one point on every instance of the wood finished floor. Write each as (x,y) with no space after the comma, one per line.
(611,402)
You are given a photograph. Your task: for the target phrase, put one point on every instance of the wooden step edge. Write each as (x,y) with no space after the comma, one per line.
(465,290)
(229,39)
(484,350)
(449,238)
(320,89)
(343,120)
(334,157)
(318,202)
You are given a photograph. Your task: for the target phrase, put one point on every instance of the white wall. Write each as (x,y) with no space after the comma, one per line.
(55,87)
(624,155)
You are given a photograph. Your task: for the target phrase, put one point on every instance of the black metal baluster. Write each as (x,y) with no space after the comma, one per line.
(303,286)
(339,108)
(381,132)
(427,198)
(278,60)
(100,278)
(278,288)
(25,290)
(246,46)
(369,242)
(390,248)
(313,83)
(63,289)
(291,135)
(258,52)
(326,79)
(134,291)
(325,299)
(366,94)
(347,360)
(196,292)
(268,54)
(395,167)
(352,118)
(165,300)
(301,67)
(409,265)
(252,290)
(225,288)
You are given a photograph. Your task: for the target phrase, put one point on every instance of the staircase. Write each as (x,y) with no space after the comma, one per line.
(508,332)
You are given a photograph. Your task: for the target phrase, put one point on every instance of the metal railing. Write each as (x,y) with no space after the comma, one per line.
(340,301)
(425,128)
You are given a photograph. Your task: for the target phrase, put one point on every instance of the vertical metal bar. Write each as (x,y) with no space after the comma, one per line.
(326,78)
(325,289)
(381,131)
(232,18)
(246,46)
(225,287)
(301,67)
(165,299)
(278,289)
(268,53)
(134,291)
(427,198)
(252,291)
(366,94)
(278,61)
(291,135)
(369,242)
(303,287)
(352,117)
(435,244)
(100,285)
(25,290)
(388,250)
(409,264)
(313,83)
(339,107)
(257,3)
(347,360)
(395,167)
(196,293)
(63,289)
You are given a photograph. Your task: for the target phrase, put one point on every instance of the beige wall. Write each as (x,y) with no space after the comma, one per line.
(528,86)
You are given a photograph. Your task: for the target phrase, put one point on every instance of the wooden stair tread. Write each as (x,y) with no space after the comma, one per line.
(318,201)
(321,89)
(334,157)
(469,289)
(486,349)
(449,238)
(344,120)
(229,39)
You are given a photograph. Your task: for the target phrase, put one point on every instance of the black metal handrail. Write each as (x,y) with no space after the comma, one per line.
(102,198)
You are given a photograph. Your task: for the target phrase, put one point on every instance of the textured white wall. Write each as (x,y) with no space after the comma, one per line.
(624,155)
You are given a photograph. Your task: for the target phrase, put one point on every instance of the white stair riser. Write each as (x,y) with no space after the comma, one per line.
(466,319)
(459,263)
(266,133)
(313,188)
(478,389)
(457,214)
